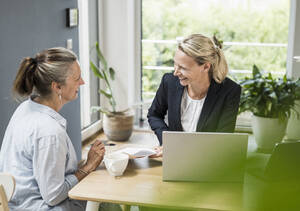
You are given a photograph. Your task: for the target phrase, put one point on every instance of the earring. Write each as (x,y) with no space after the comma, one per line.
(59,96)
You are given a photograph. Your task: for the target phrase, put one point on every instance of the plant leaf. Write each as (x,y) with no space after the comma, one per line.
(284,78)
(96,70)
(101,57)
(107,82)
(99,108)
(106,94)
(273,95)
(112,73)
(255,71)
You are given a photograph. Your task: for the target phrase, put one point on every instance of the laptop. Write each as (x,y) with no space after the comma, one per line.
(282,165)
(204,157)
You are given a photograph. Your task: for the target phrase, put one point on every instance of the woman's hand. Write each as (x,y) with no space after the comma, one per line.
(159,152)
(95,155)
(94,158)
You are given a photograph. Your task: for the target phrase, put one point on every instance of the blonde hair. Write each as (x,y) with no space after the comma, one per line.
(203,49)
(51,65)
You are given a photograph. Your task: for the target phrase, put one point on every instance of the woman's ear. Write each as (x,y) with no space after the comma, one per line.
(56,87)
(206,66)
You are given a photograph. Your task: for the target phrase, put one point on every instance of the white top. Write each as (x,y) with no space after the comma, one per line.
(190,112)
(38,152)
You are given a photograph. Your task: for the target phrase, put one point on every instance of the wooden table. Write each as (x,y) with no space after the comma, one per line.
(142,185)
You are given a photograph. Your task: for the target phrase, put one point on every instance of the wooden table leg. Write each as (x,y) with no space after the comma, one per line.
(92,206)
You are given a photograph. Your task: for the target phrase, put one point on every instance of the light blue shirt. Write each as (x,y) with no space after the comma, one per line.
(38,152)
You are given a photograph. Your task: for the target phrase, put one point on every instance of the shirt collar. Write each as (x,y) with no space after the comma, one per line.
(47,110)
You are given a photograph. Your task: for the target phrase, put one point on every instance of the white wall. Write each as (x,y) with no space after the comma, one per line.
(119,40)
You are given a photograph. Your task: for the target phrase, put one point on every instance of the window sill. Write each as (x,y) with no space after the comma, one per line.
(91,130)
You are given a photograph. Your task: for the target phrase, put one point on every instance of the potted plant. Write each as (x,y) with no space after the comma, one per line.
(117,125)
(271,101)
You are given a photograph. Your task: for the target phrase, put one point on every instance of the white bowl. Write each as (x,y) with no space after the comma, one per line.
(116,163)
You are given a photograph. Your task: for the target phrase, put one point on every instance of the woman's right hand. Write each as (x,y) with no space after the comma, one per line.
(95,155)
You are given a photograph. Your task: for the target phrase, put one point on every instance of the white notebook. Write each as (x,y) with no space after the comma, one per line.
(134,152)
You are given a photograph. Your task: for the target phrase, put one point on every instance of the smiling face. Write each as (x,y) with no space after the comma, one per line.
(188,71)
(74,80)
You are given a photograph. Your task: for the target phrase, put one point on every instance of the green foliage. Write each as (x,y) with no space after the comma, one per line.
(106,74)
(180,18)
(266,96)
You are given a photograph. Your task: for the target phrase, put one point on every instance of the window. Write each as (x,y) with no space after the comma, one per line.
(252,31)
(88,35)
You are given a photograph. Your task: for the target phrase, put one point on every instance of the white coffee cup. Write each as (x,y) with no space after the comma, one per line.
(116,163)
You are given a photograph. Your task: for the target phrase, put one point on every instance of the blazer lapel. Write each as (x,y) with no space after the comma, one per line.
(208,105)
(177,101)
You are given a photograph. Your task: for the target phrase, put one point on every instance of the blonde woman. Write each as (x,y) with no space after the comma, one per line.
(36,148)
(197,96)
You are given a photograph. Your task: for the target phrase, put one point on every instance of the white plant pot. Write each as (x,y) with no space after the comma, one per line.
(119,126)
(293,127)
(268,131)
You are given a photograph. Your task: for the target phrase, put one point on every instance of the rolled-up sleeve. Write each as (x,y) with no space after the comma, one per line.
(49,169)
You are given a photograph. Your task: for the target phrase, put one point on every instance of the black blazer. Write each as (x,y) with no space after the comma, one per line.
(218,114)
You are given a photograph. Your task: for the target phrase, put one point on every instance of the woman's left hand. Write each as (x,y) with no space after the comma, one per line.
(95,155)
(159,152)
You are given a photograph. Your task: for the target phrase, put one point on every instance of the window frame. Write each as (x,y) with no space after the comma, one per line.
(87,127)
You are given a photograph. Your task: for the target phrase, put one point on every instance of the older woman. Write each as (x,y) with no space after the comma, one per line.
(36,148)
(197,96)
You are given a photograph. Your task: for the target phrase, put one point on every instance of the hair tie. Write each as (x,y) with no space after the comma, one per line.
(214,44)
(217,44)
(34,61)
(33,64)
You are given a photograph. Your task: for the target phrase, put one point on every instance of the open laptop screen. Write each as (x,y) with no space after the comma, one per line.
(201,156)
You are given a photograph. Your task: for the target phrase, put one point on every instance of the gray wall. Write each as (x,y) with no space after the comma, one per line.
(27,27)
